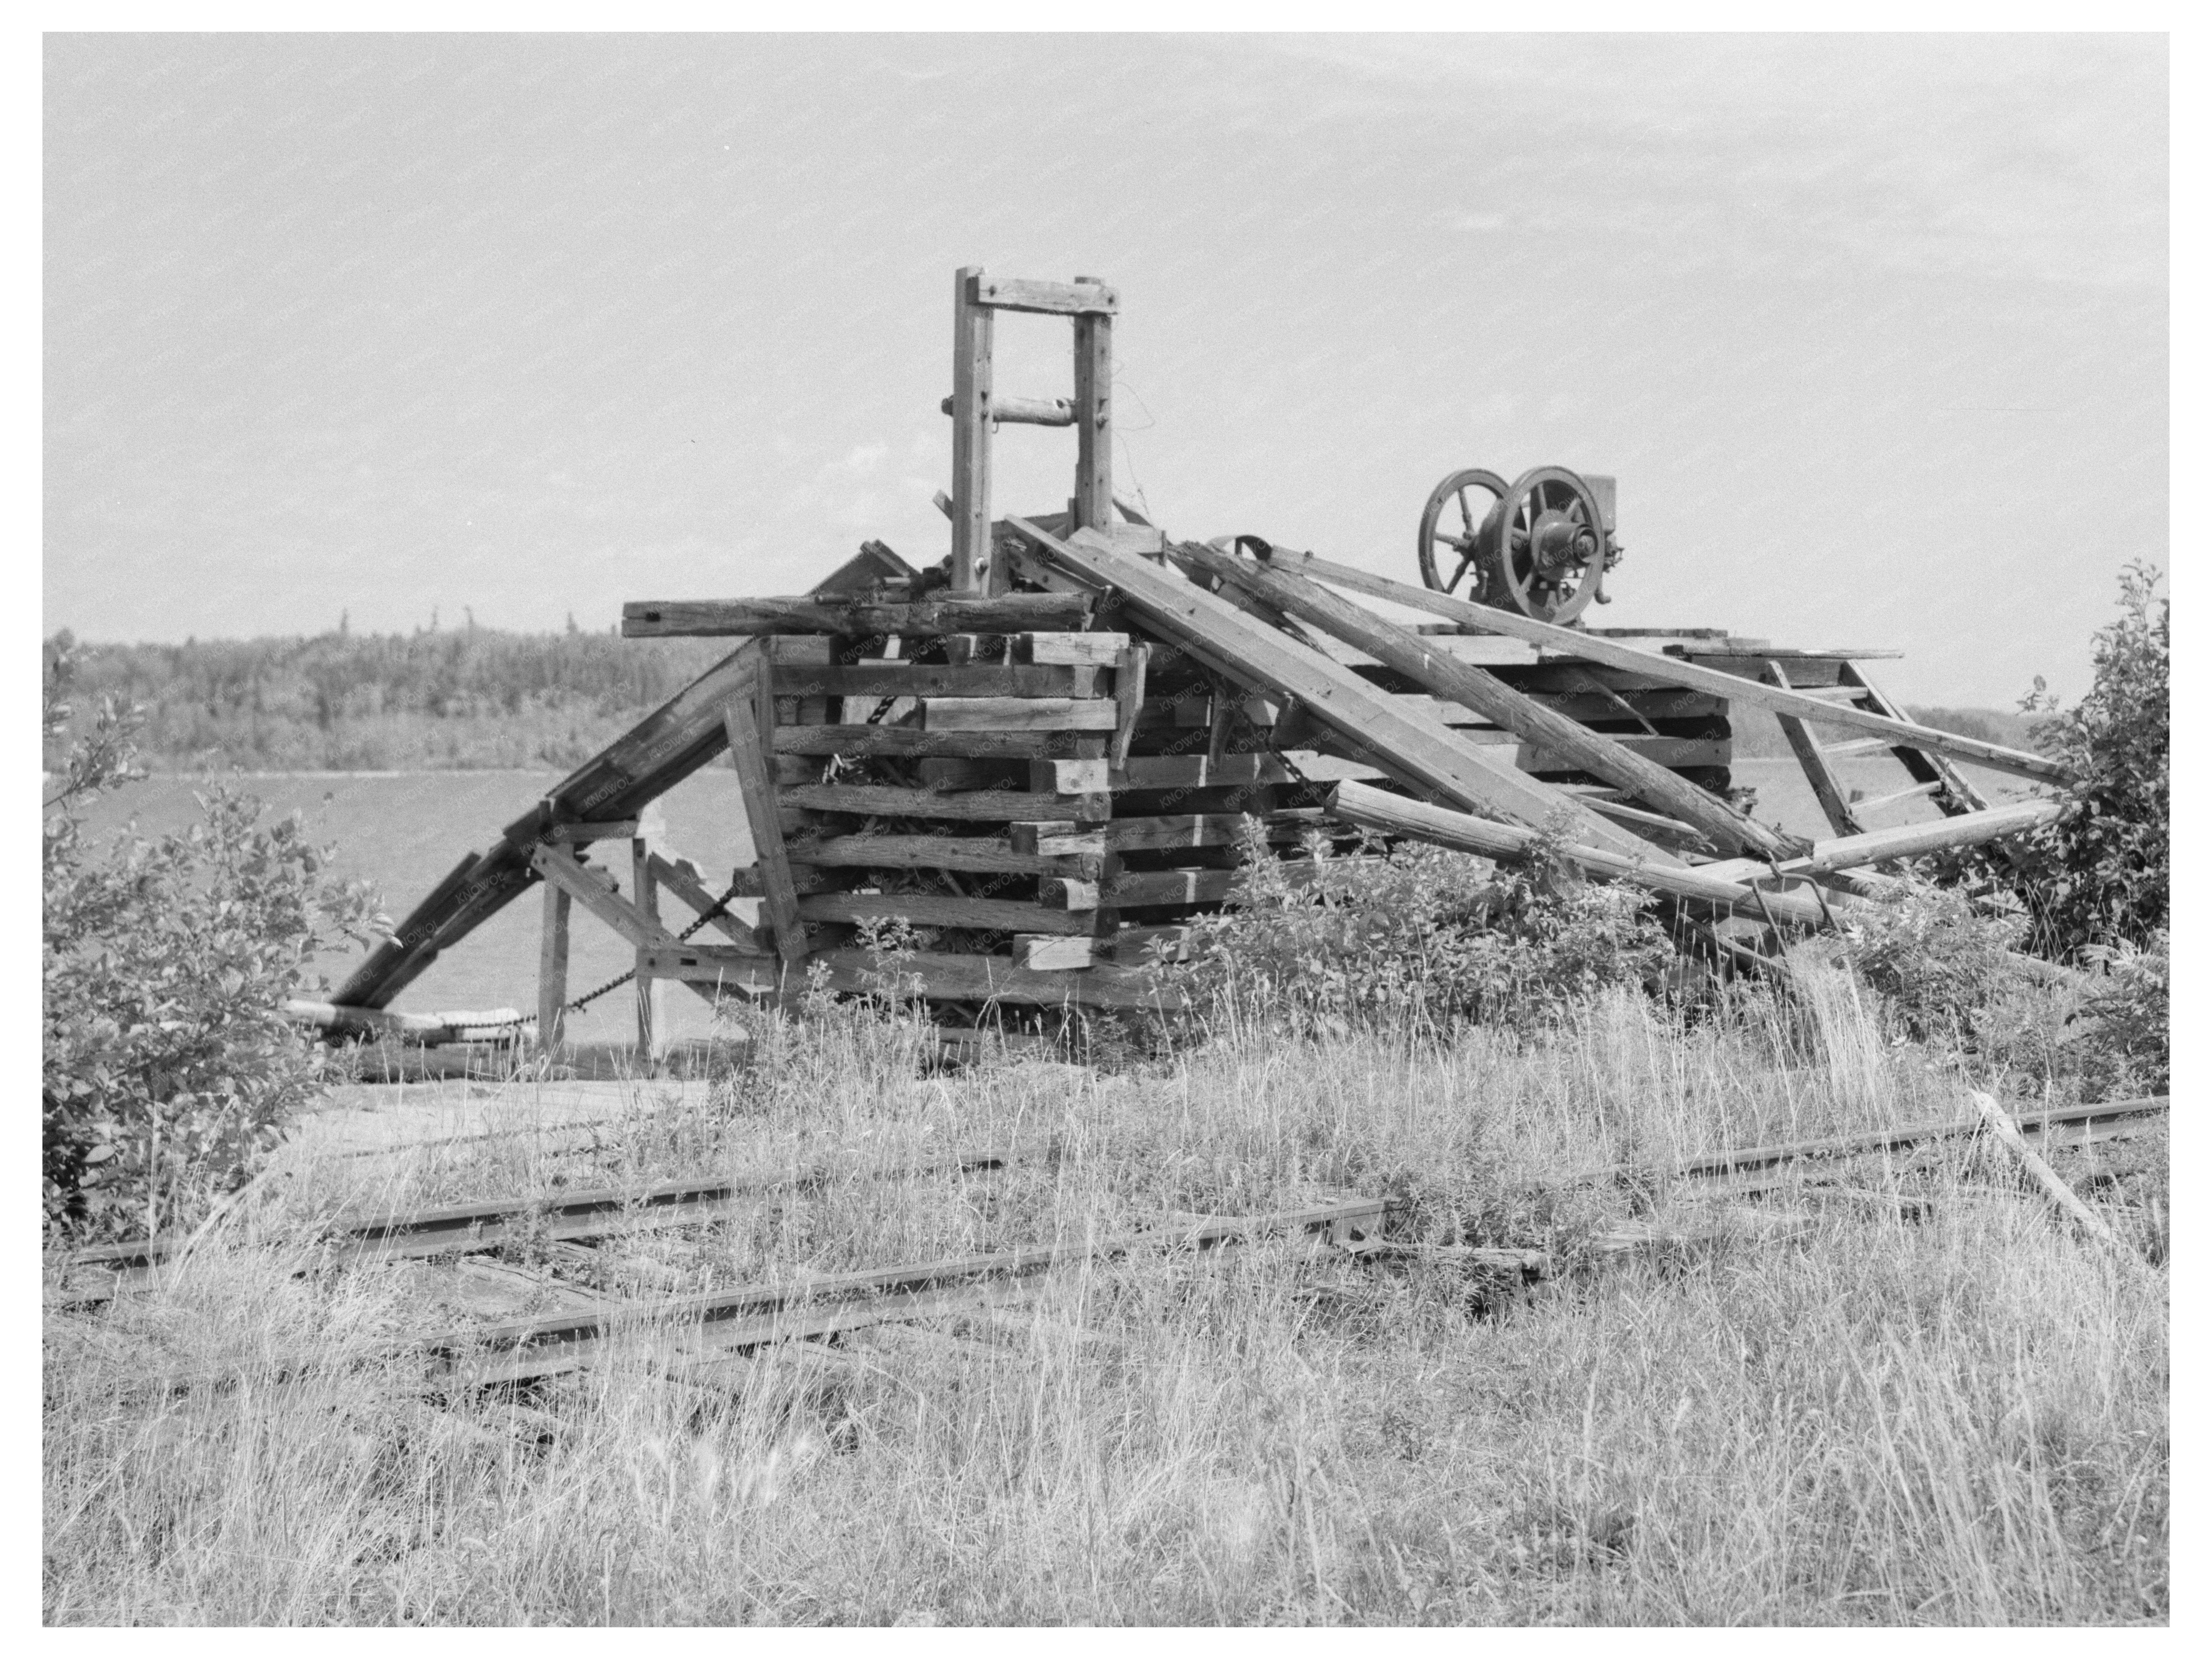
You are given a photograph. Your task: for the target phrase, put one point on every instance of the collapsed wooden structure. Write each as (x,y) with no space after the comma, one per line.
(1043,754)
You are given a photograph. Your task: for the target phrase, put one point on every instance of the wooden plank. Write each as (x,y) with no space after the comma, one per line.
(1426,755)
(1005,613)
(1131,669)
(912,741)
(2054,1186)
(1044,953)
(679,878)
(1553,740)
(979,805)
(1923,766)
(580,834)
(1086,296)
(1168,830)
(1904,841)
(1661,752)
(941,974)
(1135,887)
(1200,772)
(647,991)
(553,970)
(1067,650)
(1827,787)
(1093,507)
(1057,841)
(939,910)
(872,565)
(1895,796)
(964,681)
(989,854)
(970,508)
(744,718)
(1668,669)
(1070,777)
(1357,803)
(1017,714)
(594,890)
(1134,947)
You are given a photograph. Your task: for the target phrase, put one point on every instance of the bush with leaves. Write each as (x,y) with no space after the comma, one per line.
(1419,937)
(2098,877)
(169,1072)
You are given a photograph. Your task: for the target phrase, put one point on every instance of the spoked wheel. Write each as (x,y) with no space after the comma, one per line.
(1542,548)
(1451,528)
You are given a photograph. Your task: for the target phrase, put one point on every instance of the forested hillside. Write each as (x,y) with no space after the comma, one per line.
(476,697)
(343,702)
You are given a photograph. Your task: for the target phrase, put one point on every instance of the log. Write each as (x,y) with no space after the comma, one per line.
(1426,755)
(1372,809)
(907,740)
(481,1025)
(1005,613)
(1473,688)
(1906,841)
(1669,671)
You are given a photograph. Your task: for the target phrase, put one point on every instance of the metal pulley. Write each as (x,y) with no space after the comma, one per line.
(1542,545)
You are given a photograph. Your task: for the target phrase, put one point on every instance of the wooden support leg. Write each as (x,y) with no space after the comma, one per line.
(748,720)
(1093,508)
(553,971)
(1828,788)
(646,896)
(971,430)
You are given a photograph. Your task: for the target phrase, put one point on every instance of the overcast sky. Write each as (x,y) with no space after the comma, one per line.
(1872,330)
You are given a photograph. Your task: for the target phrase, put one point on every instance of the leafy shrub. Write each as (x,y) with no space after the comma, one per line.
(1938,957)
(2126,1045)
(2099,875)
(1420,937)
(167,1071)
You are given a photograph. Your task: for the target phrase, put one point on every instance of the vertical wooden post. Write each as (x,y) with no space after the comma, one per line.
(1094,445)
(1828,788)
(971,429)
(645,890)
(747,718)
(553,971)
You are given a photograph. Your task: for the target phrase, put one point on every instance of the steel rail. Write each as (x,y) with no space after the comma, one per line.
(590,1214)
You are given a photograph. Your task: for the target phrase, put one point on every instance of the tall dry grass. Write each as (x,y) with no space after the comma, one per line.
(1960,1419)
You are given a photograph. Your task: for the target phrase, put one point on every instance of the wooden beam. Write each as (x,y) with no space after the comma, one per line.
(1131,667)
(1671,670)
(940,910)
(1553,733)
(1426,755)
(553,970)
(1005,613)
(2054,1185)
(745,719)
(1912,793)
(1357,803)
(980,805)
(1099,650)
(650,1024)
(1906,841)
(1086,296)
(1827,787)
(1024,411)
(971,430)
(594,890)
(1093,509)
(1018,714)
(679,880)
(989,854)
(580,834)
(912,741)
(899,679)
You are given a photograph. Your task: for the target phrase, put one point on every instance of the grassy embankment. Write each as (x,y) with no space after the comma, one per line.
(1960,1419)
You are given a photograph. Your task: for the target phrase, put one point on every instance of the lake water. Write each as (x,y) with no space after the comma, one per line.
(401,832)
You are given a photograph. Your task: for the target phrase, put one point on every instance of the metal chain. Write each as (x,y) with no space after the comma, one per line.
(614,984)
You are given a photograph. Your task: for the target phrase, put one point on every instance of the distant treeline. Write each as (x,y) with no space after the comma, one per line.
(343,702)
(472,698)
